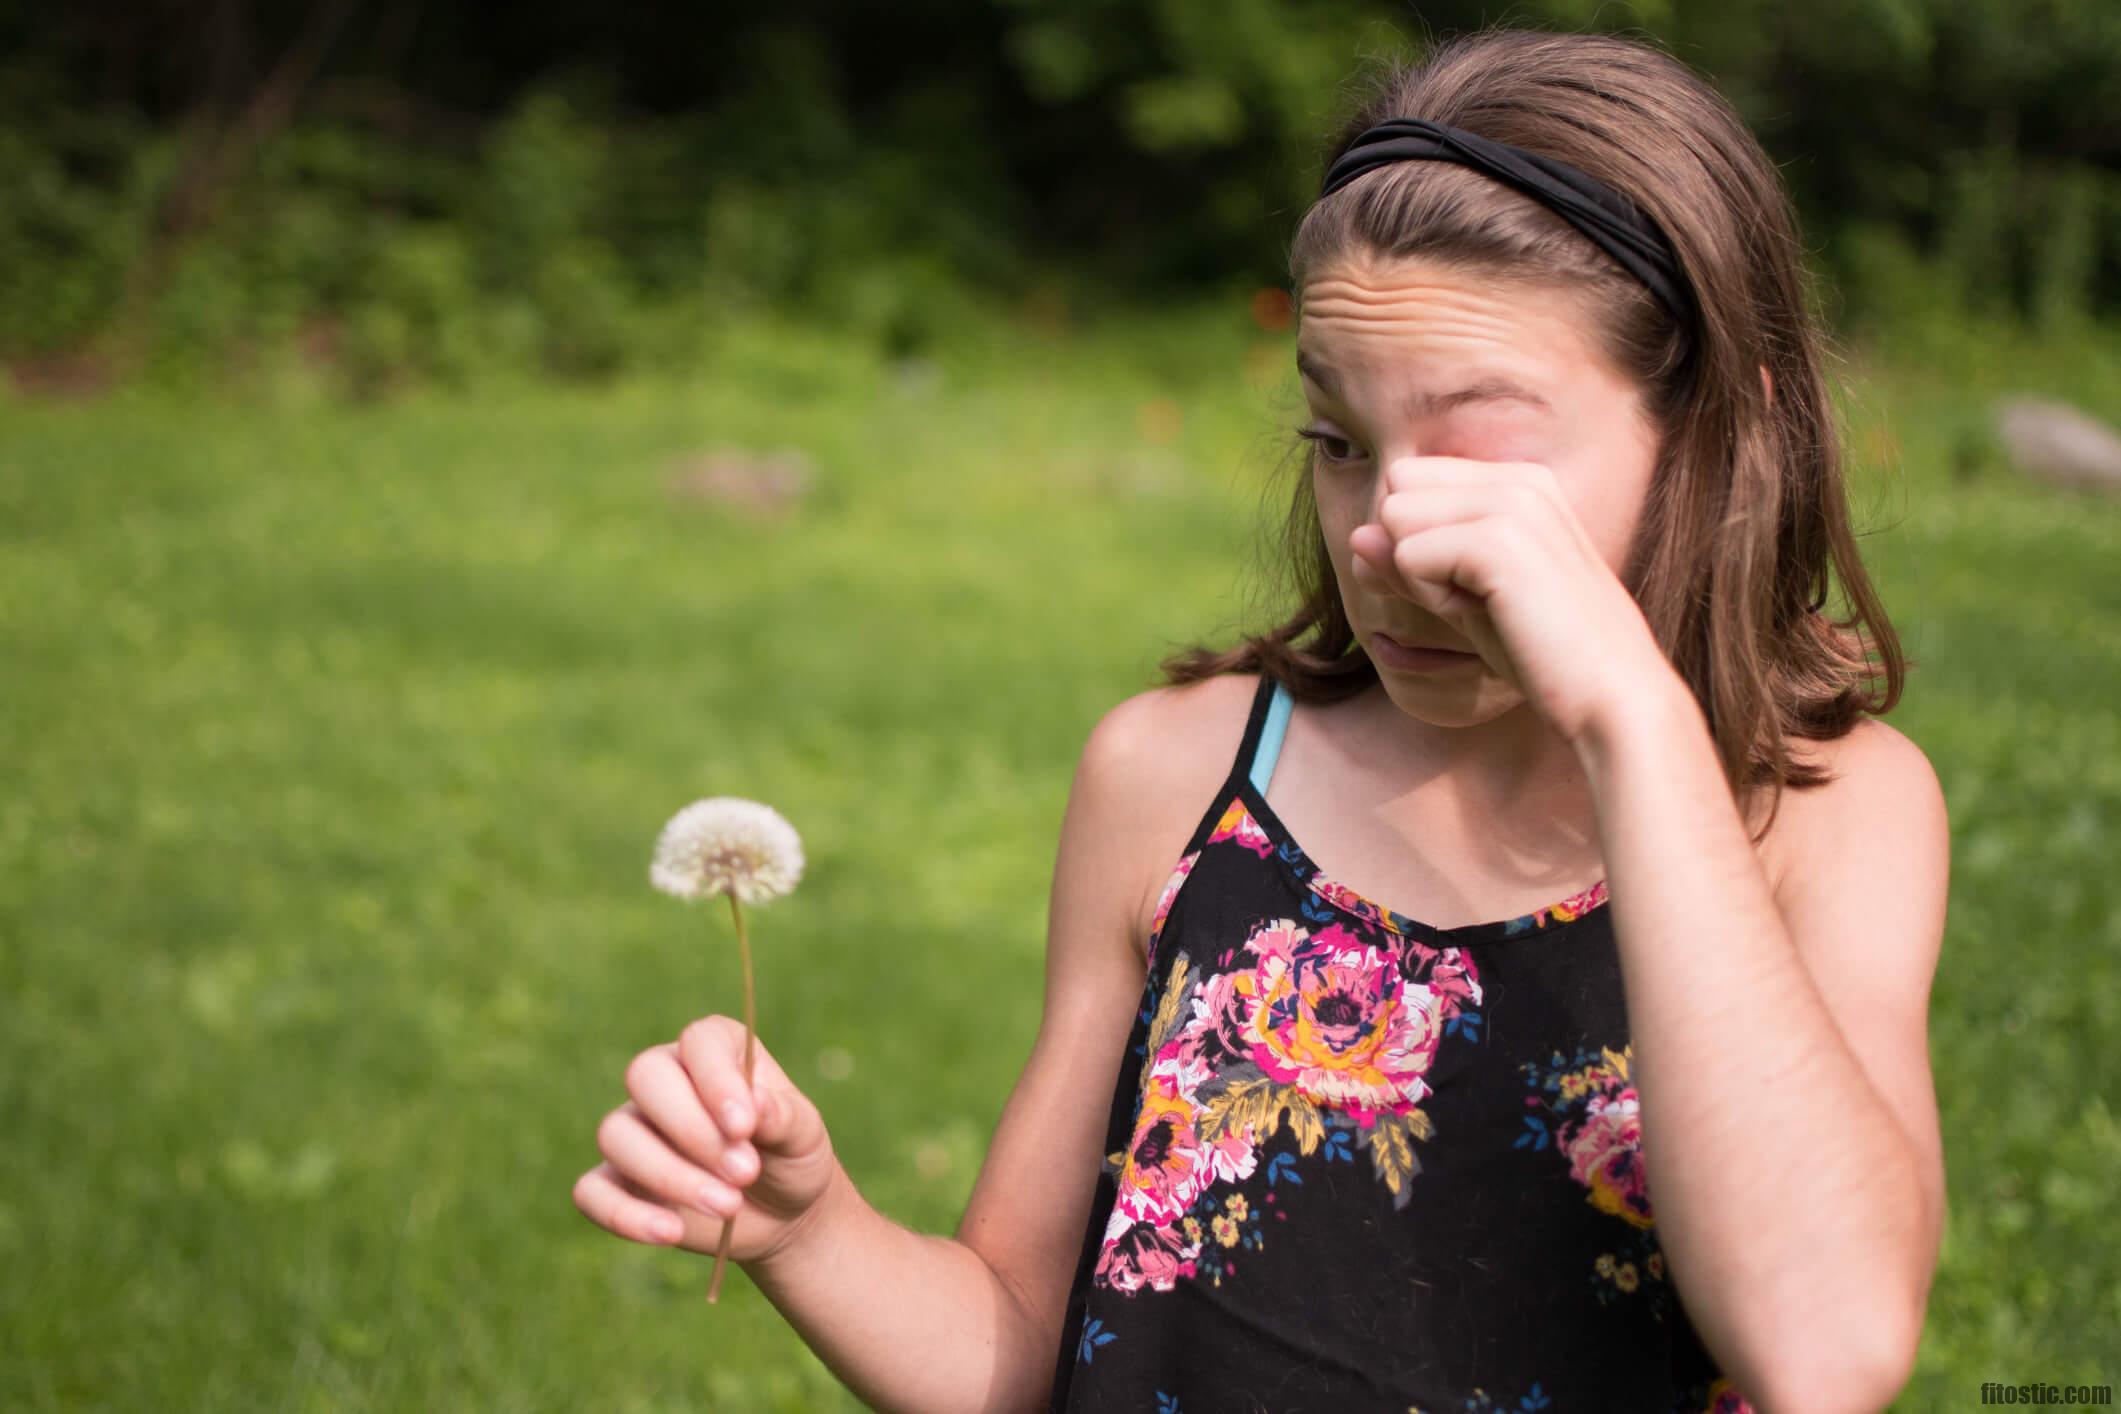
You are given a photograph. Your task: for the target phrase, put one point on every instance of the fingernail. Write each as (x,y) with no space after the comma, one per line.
(670,1229)
(744,1159)
(735,1114)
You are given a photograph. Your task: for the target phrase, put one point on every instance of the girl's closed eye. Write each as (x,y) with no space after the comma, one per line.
(1325,442)
(1336,450)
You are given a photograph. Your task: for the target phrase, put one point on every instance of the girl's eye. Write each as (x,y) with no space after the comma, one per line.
(1326,442)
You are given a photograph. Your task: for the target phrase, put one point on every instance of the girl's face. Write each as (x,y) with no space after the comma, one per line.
(1414,359)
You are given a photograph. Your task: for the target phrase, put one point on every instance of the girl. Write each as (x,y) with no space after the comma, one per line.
(1629,1108)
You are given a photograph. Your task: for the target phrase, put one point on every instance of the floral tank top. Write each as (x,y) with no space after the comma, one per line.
(1355,1162)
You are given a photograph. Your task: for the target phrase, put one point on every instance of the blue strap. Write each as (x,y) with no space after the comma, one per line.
(1270,733)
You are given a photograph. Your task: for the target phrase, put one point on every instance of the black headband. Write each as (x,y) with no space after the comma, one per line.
(1608,218)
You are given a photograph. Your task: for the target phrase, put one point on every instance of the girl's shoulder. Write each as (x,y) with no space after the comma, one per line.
(1872,761)
(1179,731)
(1165,751)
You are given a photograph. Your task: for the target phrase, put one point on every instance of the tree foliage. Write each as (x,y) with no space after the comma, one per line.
(430,186)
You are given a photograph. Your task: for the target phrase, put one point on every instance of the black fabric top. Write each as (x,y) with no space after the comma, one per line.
(1356,1162)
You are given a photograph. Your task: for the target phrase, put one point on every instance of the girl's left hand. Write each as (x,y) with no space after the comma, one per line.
(1495,550)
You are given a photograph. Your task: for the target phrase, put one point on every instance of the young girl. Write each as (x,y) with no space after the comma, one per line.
(1629,1106)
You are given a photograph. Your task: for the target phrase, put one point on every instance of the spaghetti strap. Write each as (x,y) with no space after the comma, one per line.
(1268,747)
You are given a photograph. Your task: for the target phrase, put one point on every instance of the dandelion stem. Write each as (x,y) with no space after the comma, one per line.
(751,1018)
(743,948)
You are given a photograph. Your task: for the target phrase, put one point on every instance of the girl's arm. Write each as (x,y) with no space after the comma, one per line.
(921,1322)
(907,1320)
(1790,1136)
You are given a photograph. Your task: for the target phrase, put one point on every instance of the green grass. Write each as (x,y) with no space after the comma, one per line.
(338,738)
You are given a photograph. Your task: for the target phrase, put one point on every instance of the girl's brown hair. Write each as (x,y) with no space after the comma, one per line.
(1746,505)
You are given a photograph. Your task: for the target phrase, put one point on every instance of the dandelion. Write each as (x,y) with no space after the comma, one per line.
(728,845)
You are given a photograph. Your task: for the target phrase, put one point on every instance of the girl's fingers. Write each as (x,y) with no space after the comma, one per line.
(643,1157)
(1372,565)
(605,1201)
(663,1090)
(712,1053)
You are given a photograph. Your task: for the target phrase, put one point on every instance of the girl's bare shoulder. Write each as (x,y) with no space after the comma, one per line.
(1872,760)
(1182,739)
(1167,749)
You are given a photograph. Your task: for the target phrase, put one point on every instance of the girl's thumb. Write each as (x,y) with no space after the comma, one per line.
(773,1120)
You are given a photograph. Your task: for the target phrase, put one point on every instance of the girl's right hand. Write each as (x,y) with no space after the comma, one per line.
(678,1159)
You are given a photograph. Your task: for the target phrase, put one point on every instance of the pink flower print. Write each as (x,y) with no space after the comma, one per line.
(1341,1025)
(1180,1070)
(1216,1033)
(1144,1255)
(1171,886)
(1345,898)
(1183,1066)
(1605,1155)
(1167,1165)
(1299,947)
(1449,973)
(1237,823)
(1452,980)
(1576,905)
(1233,1157)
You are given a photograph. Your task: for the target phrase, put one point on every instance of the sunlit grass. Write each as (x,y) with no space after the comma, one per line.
(339,737)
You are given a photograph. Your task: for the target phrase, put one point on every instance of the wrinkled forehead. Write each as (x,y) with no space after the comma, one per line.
(1364,319)
(1412,294)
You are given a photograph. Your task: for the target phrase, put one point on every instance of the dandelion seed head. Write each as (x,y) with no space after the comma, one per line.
(726,844)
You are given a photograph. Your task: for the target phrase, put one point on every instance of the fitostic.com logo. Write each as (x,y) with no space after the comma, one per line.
(2058,1396)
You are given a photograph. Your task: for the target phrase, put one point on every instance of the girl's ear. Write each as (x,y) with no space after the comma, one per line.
(1767,384)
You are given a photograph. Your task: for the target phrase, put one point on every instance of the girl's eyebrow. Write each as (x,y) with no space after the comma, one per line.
(1488,389)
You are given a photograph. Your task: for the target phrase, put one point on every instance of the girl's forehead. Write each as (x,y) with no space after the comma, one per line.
(1416,297)
(1425,339)
(1345,332)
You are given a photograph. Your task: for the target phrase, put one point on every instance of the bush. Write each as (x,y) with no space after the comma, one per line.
(473,207)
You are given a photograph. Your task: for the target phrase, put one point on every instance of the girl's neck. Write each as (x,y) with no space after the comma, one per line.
(1514,765)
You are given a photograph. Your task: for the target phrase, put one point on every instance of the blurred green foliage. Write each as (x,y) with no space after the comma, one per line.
(577,191)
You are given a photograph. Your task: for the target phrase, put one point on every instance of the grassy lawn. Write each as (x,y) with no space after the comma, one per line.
(338,738)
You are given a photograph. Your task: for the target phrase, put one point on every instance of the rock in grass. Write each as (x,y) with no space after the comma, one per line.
(2055,443)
